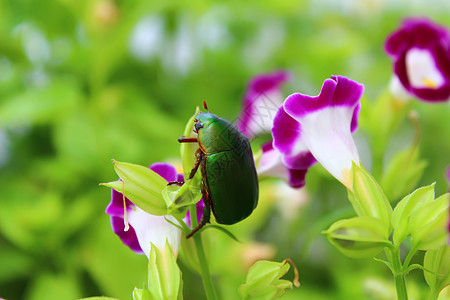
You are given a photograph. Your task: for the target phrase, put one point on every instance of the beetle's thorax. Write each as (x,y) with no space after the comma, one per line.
(217,134)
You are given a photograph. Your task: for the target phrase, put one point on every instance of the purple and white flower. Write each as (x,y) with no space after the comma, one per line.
(261,101)
(320,128)
(145,228)
(421,53)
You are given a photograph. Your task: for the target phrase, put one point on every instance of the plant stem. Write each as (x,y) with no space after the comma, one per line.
(409,257)
(204,271)
(393,256)
(206,276)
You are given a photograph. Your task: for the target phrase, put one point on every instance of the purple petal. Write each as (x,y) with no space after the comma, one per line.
(286,132)
(262,99)
(115,207)
(129,237)
(301,161)
(200,207)
(297,178)
(336,91)
(166,171)
(273,165)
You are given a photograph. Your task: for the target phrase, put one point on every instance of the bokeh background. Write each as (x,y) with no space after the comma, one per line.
(82,82)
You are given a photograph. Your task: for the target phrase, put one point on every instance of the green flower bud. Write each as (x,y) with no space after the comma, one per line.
(359,237)
(141,294)
(408,206)
(188,149)
(429,225)
(437,266)
(142,186)
(164,276)
(263,280)
(368,198)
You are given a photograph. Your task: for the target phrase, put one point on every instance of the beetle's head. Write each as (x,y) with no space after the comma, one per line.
(203,120)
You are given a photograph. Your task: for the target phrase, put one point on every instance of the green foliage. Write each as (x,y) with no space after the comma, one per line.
(65,112)
(403,173)
(359,237)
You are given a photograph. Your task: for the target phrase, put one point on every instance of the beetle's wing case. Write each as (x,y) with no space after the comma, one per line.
(232,183)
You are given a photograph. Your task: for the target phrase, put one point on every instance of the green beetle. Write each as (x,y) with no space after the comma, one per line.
(229,179)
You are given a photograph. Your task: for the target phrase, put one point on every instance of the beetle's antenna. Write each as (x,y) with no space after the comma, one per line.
(205,106)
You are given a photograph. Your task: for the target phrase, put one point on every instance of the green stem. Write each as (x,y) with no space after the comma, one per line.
(204,270)
(393,256)
(409,257)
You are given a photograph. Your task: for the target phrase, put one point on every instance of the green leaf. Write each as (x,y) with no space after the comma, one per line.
(368,198)
(224,230)
(142,186)
(406,208)
(438,262)
(429,225)
(164,275)
(358,237)
(403,173)
(263,280)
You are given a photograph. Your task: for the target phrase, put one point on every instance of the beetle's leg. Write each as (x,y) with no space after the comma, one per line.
(200,156)
(183,139)
(179,183)
(206,212)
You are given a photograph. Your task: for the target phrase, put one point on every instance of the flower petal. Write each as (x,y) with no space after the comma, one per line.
(154,229)
(262,100)
(272,164)
(200,206)
(166,171)
(327,121)
(129,237)
(115,207)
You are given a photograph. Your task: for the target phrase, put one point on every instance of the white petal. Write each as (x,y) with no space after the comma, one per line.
(264,109)
(327,134)
(154,229)
(421,69)
(271,165)
(397,90)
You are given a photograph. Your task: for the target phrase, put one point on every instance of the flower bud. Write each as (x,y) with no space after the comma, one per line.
(263,280)
(368,198)
(164,275)
(429,225)
(141,186)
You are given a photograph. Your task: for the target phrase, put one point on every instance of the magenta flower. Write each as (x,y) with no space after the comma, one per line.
(145,228)
(262,99)
(319,128)
(421,53)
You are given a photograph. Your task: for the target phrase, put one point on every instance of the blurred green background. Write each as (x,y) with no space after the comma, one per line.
(82,82)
